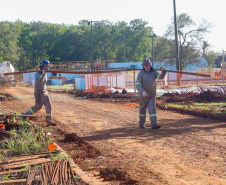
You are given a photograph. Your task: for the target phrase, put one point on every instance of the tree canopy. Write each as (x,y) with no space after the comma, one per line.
(27,44)
(190,39)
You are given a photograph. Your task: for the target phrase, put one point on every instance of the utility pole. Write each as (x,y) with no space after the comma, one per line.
(91,43)
(176,37)
(152,49)
(223,66)
(124,47)
(176,43)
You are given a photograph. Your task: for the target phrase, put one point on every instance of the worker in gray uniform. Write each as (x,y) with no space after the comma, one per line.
(146,86)
(41,94)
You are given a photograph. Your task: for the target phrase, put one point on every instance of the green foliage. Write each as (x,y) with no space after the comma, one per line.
(24,125)
(5,159)
(188,106)
(27,44)
(214,107)
(9,35)
(77,178)
(60,157)
(6,177)
(26,141)
(211,56)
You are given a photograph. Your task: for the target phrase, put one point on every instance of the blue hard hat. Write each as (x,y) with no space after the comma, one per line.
(45,62)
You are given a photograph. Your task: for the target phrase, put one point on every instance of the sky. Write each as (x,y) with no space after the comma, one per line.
(158,13)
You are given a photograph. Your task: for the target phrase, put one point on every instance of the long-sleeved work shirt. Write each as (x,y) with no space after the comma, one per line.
(146,82)
(40,83)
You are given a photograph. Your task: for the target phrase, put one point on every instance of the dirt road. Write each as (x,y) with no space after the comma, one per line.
(186,150)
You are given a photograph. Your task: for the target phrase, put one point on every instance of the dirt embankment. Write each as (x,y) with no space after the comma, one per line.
(186,150)
(192,101)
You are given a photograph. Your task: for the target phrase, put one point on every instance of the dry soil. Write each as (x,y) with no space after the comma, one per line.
(108,145)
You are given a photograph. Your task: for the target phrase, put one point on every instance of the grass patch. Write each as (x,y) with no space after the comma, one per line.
(60,87)
(26,141)
(217,107)
(187,85)
(211,104)
(189,107)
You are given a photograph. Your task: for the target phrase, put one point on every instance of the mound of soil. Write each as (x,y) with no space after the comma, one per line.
(200,112)
(73,138)
(4,133)
(5,97)
(205,96)
(176,97)
(83,149)
(116,175)
(210,96)
(113,97)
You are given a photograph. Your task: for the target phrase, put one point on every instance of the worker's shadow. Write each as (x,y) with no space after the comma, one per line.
(169,127)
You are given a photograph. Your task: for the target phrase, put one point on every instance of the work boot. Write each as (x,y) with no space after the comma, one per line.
(24,117)
(142,127)
(51,124)
(156,127)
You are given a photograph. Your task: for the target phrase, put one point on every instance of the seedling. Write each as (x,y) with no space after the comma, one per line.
(77,178)
(6,177)
(60,157)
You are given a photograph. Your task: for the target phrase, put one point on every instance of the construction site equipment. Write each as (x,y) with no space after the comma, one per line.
(6,67)
(110,81)
(72,65)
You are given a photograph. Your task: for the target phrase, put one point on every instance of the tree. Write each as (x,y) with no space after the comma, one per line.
(23,63)
(138,42)
(9,50)
(190,36)
(104,33)
(210,55)
(161,49)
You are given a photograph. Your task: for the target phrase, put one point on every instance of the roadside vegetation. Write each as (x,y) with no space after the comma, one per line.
(29,141)
(60,87)
(26,141)
(213,107)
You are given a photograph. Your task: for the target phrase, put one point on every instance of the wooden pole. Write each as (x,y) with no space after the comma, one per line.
(116,81)
(98,84)
(134,79)
(222,67)
(96,72)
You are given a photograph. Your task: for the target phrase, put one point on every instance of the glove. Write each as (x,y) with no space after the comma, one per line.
(44,71)
(144,94)
(162,69)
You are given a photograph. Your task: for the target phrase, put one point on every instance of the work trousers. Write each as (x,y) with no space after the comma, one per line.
(40,100)
(149,103)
